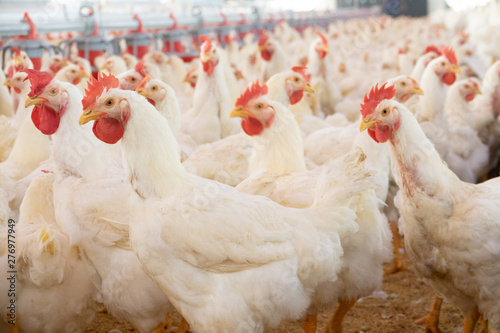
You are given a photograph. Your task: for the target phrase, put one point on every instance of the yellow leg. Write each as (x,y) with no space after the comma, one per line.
(183,327)
(470,321)
(159,329)
(311,323)
(483,328)
(335,324)
(431,321)
(398,263)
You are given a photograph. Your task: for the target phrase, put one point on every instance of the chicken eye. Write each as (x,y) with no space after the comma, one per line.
(109,102)
(466,86)
(259,106)
(154,87)
(443,63)
(53,91)
(213,51)
(403,83)
(73,71)
(195,77)
(24,57)
(132,79)
(385,112)
(296,79)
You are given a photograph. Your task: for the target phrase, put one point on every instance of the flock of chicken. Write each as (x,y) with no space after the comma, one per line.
(239,190)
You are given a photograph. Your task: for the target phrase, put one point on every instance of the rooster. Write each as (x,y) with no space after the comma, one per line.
(84,164)
(451,227)
(187,230)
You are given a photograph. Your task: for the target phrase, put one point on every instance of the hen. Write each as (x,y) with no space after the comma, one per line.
(451,227)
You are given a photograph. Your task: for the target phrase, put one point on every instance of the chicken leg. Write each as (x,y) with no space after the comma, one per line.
(398,263)
(431,321)
(14,328)
(310,323)
(335,324)
(183,328)
(471,320)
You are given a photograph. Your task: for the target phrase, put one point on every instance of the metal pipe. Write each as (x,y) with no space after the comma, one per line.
(163,21)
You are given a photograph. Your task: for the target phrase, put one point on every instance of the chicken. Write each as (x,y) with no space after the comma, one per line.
(273,56)
(56,63)
(278,172)
(226,160)
(178,209)
(20,90)
(327,92)
(85,166)
(6,108)
(54,291)
(114,65)
(73,74)
(209,120)
(431,53)
(468,157)
(451,228)
(440,73)
(131,79)
(162,97)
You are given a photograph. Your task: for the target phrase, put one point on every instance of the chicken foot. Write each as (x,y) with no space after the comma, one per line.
(431,321)
(471,320)
(310,323)
(335,324)
(398,263)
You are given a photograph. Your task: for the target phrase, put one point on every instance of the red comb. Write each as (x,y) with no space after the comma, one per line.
(207,43)
(263,39)
(16,51)
(432,48)
(95,87)
(302,71)
(413,80)
(253,91)
(400,51)
(144,81)
(139,68)
(81,68)
(323,38)
(450,54)
(39,80)
(375,96)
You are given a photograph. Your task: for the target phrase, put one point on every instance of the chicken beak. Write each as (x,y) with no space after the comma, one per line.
(418,91)
(308,88)
(17,62)
(260,48)
(240,112)
(8,83)
(88,115)
(478,91)
(34,101)
(142,92)
(185,80)
(453,69)
(325,49)
(83,75)
(205,57)
(366,123)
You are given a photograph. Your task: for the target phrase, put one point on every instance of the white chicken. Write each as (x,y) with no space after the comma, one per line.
(249,238)
(451,228)
(85,165)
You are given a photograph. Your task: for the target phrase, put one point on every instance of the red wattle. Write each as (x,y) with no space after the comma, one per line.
(381,134)
(77,80)
(108,130)
(45,118)
(470,97)
(296,96)
(151,101)
(252,126)
(208,67)
(321,54)
(266,55)
(449,78)
(16,90)
(54,68)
